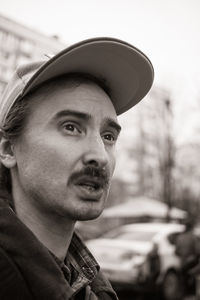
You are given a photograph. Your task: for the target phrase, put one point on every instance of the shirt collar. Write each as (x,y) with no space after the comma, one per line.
(80,258)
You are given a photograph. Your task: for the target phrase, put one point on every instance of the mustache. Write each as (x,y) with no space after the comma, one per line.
(99,174)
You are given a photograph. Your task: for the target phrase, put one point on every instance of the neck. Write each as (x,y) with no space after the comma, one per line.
(54,232)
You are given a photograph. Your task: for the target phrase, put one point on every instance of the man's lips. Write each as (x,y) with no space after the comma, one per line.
(90,187)
(91,181)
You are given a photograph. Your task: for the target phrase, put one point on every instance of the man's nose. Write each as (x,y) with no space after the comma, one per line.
(95,154)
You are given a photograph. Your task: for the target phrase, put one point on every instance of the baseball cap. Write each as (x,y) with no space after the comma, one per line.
(126,70)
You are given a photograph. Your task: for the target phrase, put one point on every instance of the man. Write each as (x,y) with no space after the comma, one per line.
(187,245)
(59,128)
(187,248)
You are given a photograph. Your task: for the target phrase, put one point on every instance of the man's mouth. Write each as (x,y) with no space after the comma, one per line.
(93,186)
(90,188)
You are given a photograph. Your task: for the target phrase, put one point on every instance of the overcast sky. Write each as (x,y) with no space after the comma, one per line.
(168,31)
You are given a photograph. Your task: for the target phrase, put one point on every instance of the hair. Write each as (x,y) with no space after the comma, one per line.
(18,114)
(11,129)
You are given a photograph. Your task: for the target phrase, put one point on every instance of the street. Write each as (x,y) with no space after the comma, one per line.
(130,295)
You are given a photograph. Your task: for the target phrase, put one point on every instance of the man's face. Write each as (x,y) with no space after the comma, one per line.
(65,157)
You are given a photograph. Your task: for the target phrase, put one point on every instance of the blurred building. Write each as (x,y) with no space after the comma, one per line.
(19,44)
(145,145)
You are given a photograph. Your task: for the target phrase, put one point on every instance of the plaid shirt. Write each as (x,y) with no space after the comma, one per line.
(80,267)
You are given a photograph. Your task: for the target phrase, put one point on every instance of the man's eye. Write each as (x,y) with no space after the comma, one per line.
(72,128)
(69,127)
(109,137)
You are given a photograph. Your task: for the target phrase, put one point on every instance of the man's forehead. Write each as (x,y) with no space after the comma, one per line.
(71,81)
(67,86)
(76,93)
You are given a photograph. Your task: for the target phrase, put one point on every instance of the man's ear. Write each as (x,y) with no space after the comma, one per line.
(7,156)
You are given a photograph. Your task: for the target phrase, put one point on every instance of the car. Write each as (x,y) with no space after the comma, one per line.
(141,256)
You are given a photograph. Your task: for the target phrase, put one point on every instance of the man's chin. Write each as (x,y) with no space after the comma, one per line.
(89,216)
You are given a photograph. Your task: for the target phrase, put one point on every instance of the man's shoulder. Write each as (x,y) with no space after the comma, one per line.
(12,284)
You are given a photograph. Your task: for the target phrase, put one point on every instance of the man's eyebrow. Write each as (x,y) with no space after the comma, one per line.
(86,117)
(112,123)
(81,115)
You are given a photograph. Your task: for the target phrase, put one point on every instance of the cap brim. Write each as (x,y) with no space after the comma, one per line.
(126,70)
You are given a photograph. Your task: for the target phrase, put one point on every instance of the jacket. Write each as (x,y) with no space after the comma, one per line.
(30,272)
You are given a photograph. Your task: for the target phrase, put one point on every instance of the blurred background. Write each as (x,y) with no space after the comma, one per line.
(157,175)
